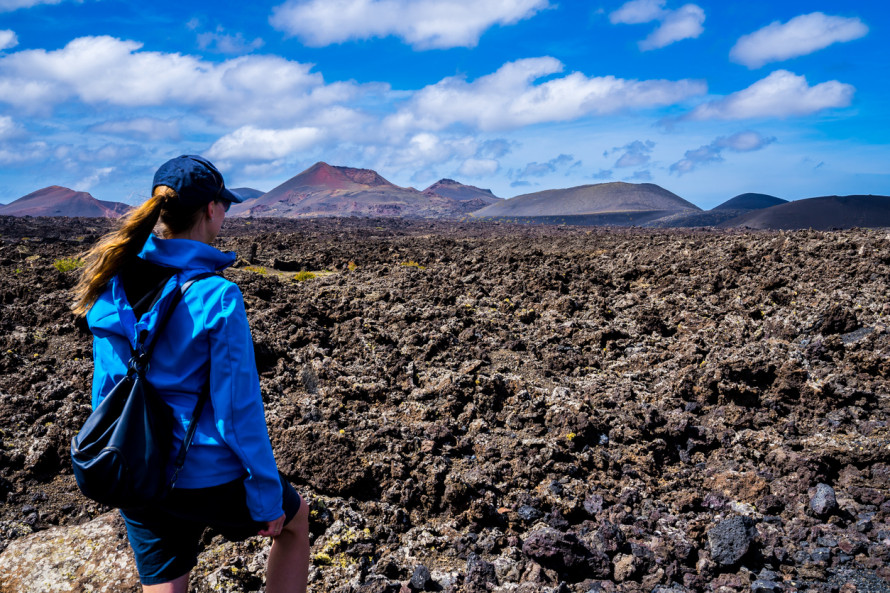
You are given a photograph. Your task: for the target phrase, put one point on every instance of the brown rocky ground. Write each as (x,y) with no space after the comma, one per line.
(483,407)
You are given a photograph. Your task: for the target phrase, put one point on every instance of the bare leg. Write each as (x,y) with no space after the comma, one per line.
(177,585)
(287,570)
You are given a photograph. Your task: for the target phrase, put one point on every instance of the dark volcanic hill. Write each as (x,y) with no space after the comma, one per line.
(603,203)
(750,201)
(325,190)
(728,210)
(449,188)
(61,201)
(470,197)
(825,213)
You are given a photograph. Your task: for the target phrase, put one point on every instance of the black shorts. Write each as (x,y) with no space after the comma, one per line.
(165,537)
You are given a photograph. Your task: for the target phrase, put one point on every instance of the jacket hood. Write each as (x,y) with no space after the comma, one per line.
(113,314)
(186,255)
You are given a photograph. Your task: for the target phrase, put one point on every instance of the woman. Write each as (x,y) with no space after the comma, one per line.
(229,481)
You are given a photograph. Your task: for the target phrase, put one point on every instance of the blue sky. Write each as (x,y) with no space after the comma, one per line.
(708,99)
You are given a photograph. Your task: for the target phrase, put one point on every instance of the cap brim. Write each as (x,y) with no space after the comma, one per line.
(227,194)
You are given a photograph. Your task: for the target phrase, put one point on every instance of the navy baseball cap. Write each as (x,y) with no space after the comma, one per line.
(196,181)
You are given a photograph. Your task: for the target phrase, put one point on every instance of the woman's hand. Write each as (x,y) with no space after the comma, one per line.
(273,528)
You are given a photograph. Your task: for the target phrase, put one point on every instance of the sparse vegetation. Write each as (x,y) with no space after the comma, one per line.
(256,269)
(412,264)
(303,275)
(66,264)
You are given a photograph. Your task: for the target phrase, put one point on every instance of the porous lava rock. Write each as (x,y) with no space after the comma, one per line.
(441,391)
(731,539)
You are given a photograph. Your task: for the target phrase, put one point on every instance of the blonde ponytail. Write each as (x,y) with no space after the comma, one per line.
(107,257)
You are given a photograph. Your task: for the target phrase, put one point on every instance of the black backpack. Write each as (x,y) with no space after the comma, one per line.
(121,455)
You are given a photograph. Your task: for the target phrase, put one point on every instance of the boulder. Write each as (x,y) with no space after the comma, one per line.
(95,556)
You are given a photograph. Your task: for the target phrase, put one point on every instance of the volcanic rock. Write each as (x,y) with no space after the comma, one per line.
(824,501)
(564,553)
(731,539)
(95,556)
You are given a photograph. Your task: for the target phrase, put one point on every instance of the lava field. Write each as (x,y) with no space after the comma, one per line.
(491,407)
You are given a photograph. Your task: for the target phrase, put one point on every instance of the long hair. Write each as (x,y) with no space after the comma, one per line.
(118,247)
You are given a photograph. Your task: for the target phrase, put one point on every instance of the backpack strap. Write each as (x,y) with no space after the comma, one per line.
(142,354)
(202,397)
(145,344)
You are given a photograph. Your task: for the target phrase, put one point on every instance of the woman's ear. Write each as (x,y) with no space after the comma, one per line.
(208,210)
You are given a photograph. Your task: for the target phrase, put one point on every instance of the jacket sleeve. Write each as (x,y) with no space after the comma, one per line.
(237,402)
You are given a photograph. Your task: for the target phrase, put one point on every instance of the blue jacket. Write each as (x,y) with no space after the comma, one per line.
(207,335)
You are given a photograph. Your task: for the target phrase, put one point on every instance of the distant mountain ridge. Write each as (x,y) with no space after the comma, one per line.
(750,201)
(327,190)
(61,201)
(615,203)
(728,210)
(823,213)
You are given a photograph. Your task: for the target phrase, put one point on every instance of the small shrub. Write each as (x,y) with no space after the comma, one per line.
(66,264)
(412,264)
(303,275)
(351,266)
(256,269)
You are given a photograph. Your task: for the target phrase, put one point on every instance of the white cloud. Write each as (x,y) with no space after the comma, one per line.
(479,167)
(141,127)
(747,141)
(634,154)
(10,5)
(425,24)
(9,128)
(781,94)
(8,39)
(675,25)
(226,43)
(637,12)
(508,98)
(108,71)
(27,153)
(683,23)
(536,169)
(255,144)
(88,182)
(800,36)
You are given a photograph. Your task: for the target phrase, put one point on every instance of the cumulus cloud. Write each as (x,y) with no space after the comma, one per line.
(800,36)
(10,5)
(509,98)
(108,71)
(642,175)
(90,181)
(8,39)
(141,127)
(425,24)
(9,128)
(634,154)
(226,43)
(479,167)
(781,94)
(495,149)
(28,153)
(674,25)
(747,141)
(536,169)
(602,174)
(256,144)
